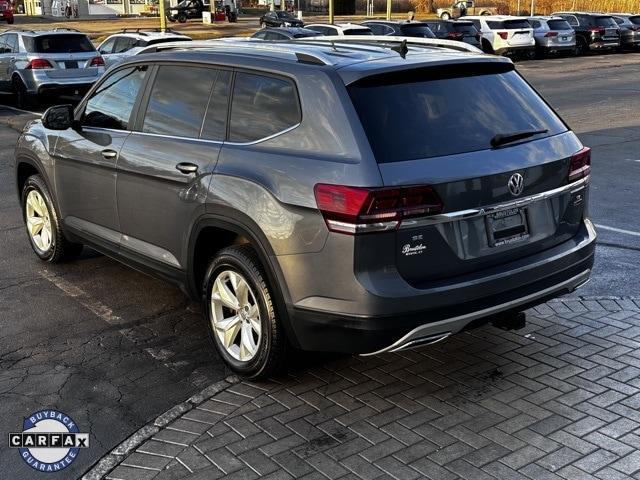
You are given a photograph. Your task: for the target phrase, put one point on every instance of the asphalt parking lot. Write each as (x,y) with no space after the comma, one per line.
(114,348)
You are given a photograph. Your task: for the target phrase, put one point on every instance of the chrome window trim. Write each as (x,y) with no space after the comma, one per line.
(176,137)
(264,139)
(479,212)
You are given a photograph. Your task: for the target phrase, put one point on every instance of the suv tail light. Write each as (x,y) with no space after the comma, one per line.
(503,35)
(580,166)
(97,62)
(597,30)
(38,63)
(551,34)
(355,210)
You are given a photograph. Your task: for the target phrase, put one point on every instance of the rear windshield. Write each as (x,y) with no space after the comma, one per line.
(61,43)
(358,31)
(427,113)
(635,20)
(559,25)
(509,24)
(419,31)
(606,22)
(465,28)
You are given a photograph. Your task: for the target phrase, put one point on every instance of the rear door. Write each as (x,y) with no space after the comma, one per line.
(164,167)
(8,51)
(435,127)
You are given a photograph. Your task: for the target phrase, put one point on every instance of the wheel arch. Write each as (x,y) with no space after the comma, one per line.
(25,168)
(213,232)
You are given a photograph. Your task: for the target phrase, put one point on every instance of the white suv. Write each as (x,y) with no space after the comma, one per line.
(129,42)
(504,34)
(339,29)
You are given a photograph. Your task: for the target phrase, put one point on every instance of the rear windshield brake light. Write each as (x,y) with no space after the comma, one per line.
(356,210)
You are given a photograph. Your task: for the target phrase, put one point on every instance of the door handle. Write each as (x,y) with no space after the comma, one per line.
(187,168)
(109,154)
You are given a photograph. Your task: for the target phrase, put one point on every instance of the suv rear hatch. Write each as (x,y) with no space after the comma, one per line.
(515,32)
(446,129)
(69,54)
(607,28)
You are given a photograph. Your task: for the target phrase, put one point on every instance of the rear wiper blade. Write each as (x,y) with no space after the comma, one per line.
(504,138)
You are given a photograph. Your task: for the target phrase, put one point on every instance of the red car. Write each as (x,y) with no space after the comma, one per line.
(6,11)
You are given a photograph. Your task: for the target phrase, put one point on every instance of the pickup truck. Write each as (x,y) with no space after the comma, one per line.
(459,9)
(187,9)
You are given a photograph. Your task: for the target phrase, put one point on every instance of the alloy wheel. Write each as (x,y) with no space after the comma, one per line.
(38,221)
(235,316)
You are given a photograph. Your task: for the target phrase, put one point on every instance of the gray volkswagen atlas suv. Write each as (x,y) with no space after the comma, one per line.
(322,195)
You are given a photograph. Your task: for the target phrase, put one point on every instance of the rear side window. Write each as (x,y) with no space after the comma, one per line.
(215,122)
(155,41)
(174,110)
(61,43)
(429,113)
(559,25)
(358,31)
(262,106)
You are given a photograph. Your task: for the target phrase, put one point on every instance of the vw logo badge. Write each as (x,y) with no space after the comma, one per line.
(516,184)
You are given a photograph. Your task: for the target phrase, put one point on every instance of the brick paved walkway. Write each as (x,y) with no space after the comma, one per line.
(558,399)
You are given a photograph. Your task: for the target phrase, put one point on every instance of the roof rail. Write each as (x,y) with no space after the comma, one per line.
(231,44)
(65,29)
(143,30)
(384,40)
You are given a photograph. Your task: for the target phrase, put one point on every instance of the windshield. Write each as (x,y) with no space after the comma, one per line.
(606,22)
(431,113)
(60,43)
(418,30)
(559,25)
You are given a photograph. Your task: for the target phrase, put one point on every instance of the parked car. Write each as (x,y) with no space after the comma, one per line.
(505,35)
(629,30)
(6,11)
(552,35)
(339,29)
(594,31)
(462,30)
(280,18)
(365,211)
(399,28)
(130,41)
(284,33)
(460,9)
(35,63)
(187,9)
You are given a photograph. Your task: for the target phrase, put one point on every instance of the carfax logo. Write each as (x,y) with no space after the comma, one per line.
(50,441)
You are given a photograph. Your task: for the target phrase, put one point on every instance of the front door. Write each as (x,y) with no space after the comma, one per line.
(86,156)
(165,165)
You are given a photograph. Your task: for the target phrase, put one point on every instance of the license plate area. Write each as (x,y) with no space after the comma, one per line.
(70,64)
(507,226)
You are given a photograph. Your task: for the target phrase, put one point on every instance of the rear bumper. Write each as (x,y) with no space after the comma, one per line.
(401,322)
(512,50)
(64,89)
(602,45)
(38,82)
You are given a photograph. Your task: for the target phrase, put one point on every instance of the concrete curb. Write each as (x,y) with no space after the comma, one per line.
(117,455)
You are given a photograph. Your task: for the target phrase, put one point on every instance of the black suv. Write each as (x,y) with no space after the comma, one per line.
(399,28)
(594,31)
(280,18)
(456,30)
(334,195)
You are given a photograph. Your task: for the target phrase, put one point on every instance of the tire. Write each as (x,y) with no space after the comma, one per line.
(10,22)
(24,99)
(265,356)
(487,48)
(52,247)
(182,18)
(263,25)
(581,46)
(445,16)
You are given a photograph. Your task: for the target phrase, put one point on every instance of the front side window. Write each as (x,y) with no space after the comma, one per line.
(110,106)
(178,100)
(262,106)
(107,47)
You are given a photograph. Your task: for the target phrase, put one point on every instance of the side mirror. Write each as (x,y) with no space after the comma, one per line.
(59,117)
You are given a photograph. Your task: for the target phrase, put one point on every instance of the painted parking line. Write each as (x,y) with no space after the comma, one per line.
(618,230)
(29,112)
